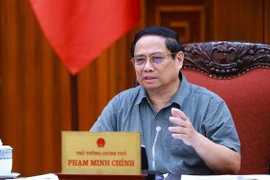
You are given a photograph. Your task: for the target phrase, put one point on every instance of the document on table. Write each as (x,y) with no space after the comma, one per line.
(226,177)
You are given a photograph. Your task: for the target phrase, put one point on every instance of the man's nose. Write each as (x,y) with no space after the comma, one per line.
(148,64)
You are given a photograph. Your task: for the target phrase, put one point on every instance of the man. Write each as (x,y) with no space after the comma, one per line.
(186,129)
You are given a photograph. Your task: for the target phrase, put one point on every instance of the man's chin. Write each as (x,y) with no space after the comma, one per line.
(150,86)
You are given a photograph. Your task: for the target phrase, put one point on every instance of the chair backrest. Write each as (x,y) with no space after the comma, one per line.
(239,73)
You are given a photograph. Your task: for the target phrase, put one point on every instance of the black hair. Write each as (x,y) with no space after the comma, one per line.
(171,38)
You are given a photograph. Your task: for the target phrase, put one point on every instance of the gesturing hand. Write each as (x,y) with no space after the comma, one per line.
(184,129)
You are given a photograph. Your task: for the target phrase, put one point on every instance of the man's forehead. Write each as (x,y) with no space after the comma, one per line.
(150,45)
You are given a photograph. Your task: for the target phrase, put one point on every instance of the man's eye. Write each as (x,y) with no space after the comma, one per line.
(140,59)
(157,59)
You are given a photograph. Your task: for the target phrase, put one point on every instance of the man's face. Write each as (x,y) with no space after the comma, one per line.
(162,72)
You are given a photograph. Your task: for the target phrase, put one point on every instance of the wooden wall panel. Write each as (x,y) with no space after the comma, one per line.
(192,20)
(188,21)
(1,72)
(10,86)
(35,95)
(240,20)
(267,21)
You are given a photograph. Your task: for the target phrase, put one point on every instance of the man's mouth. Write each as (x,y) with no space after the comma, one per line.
(148,78)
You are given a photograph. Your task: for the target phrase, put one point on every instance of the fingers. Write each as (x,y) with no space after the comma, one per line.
(179,130)
(178,121)
(179,136)
(182,122)
(178,117)
(184,129)
(178,113)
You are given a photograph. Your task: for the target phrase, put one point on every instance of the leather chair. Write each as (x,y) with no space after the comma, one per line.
(239,73)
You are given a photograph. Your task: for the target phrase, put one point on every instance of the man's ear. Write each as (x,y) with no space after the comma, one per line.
(180,58)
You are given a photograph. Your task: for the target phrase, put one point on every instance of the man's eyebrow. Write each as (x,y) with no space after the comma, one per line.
(152,53)
(157,52)
(139,55)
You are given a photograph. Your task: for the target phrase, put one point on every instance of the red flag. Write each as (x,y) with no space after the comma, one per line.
(80,30)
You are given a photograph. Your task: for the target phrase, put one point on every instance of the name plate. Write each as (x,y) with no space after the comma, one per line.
(101,152)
